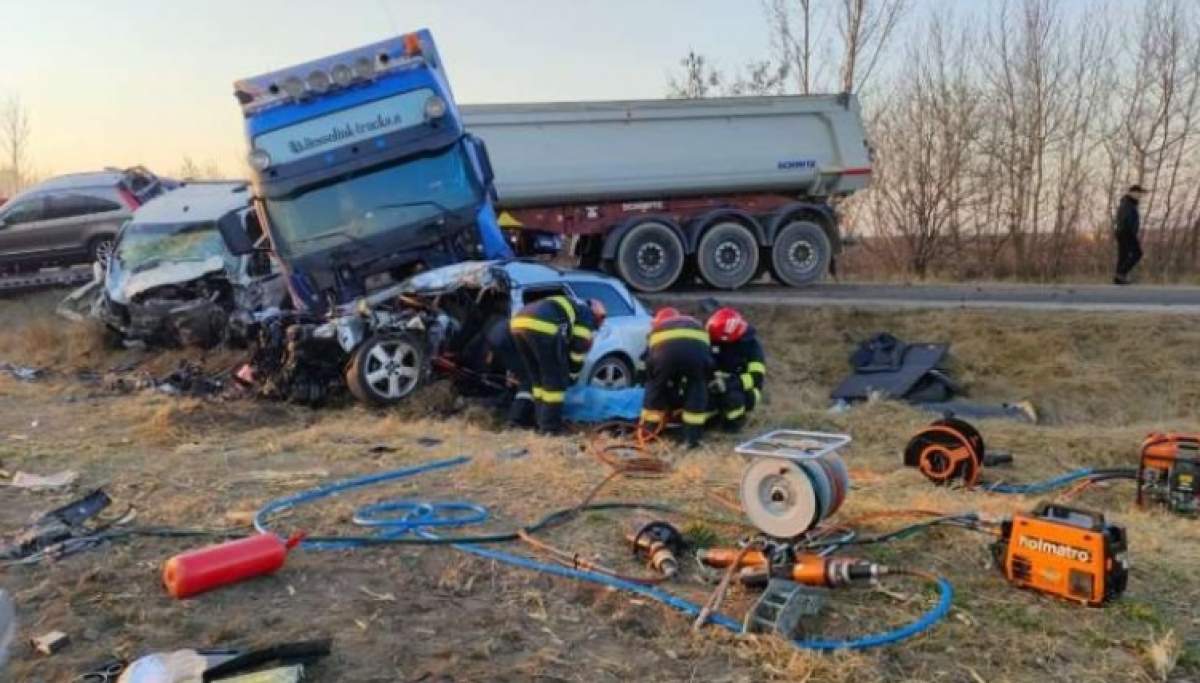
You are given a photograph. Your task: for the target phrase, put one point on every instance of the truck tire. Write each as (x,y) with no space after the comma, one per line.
(801,253)
(727,256)
(650,257)
(386,368)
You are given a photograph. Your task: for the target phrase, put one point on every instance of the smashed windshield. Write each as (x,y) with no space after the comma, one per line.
(356,206)
(144,246)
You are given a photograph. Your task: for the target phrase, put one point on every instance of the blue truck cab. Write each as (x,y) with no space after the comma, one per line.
(363,171)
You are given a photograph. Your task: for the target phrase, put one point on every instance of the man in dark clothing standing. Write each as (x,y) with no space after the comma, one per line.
(1129,248)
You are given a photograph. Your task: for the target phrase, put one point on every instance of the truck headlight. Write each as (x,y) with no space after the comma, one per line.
(435,108)
(259,160)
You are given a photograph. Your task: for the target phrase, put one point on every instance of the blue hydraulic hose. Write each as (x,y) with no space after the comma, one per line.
(419,517)
(1041,486)
(311,495)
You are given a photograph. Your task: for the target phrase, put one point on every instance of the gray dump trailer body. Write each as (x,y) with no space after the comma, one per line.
(733,186)
(568,152)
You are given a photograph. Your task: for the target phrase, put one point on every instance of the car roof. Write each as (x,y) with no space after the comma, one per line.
(195,201)
(525,273)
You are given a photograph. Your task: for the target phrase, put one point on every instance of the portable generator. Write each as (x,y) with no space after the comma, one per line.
(1168,472)
(1063,551)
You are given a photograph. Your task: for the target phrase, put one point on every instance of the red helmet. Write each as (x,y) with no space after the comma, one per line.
(726,325)
(662,315)
(599,312)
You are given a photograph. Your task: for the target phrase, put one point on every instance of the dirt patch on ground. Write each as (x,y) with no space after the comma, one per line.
(423,614)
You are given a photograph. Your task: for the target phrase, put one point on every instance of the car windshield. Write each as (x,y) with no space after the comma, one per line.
(144,246)
(372,202)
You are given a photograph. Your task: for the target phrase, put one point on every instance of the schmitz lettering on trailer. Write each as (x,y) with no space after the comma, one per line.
(792,164)
(1041,545)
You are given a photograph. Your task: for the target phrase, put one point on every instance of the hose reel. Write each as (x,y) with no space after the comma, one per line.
(950,450)
(793,481)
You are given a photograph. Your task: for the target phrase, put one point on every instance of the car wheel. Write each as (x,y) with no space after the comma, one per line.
(611,372)
(727,256)
(801,254)
(650,257)
(100,249)
(386,368)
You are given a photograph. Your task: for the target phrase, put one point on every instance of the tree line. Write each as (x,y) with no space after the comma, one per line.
(1003,132)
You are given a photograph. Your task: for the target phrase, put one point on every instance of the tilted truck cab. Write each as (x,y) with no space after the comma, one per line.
(363,171)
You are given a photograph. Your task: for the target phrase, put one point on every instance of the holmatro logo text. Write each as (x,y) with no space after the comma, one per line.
(1062,550)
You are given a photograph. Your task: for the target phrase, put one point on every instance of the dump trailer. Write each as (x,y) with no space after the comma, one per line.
(659,190)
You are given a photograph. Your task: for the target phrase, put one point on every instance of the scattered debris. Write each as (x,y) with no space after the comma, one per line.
(8,625)
(514,453)
(181,665)
(280,476)
(381,448)
(283,674)
(378,597)
(887,367)
(428,441)
(285,657)
(50,534)
(37,482)
(51,642)
(23,372)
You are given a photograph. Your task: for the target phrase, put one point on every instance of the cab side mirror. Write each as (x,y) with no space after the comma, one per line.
(234,233)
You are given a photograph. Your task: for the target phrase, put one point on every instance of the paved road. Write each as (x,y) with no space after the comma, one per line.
(1144,298)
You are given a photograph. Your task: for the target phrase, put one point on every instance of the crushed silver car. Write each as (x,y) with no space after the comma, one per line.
(172,279)
(385,345)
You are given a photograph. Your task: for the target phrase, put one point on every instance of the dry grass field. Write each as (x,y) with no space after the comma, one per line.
(424,614)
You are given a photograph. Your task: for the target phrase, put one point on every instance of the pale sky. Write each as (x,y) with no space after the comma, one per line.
(119,82)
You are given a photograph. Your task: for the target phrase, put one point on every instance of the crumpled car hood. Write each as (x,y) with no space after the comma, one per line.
(122,286)
(471,274)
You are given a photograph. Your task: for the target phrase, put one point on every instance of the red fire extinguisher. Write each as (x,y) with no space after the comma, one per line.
(204,569)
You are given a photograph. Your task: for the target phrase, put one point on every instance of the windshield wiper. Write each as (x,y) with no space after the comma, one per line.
(405,205)
(333,233)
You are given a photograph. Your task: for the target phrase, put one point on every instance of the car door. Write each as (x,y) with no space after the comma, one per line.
(73,219)
(19,222)
(626,328)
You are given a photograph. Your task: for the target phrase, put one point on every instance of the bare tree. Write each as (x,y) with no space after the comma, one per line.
(866,27)
(15,131)
(930,126)
(793,38)
(189,169)
(698,78)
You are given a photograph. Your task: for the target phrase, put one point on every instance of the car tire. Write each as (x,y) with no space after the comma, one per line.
(650,256)
(727,256)
(100,249)
(801,253)
(613,371)
(386,368)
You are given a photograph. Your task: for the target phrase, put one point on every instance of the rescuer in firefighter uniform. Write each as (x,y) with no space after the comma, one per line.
(678,362)
(740,370)
(553,336)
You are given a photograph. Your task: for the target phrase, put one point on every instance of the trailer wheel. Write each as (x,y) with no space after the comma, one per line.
(650,257)
(385,368)
(801,254)
(727,256)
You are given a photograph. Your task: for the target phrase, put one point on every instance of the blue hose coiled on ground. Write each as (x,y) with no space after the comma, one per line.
(419,517)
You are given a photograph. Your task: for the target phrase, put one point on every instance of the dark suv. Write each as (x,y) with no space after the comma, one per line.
(72,218)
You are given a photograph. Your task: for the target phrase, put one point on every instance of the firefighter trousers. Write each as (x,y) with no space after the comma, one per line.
(546,375)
